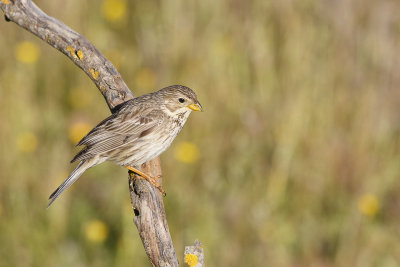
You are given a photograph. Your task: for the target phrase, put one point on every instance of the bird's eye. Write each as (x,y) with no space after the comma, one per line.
(181,100)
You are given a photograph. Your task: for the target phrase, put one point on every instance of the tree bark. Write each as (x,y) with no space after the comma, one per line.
(147,202)
(150,218)
(194,255)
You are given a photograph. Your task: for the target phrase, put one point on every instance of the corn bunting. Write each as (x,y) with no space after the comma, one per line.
(139,131)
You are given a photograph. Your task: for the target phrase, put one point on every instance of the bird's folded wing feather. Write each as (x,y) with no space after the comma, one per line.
(119,129)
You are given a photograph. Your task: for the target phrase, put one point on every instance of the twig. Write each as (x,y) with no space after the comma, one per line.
(194,255)
(150,217)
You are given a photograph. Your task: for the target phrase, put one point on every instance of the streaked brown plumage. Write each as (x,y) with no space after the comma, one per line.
(140,130)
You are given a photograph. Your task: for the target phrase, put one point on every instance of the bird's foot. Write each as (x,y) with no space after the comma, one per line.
(151,180)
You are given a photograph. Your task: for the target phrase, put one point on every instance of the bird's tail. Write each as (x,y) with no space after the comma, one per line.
(79,170)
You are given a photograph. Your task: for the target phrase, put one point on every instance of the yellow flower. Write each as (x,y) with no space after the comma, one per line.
(77,131)
(27,142)
(186,152)
(96,231)
(368,204)
(114,10)
(191,260)
(27,52)
(145,78)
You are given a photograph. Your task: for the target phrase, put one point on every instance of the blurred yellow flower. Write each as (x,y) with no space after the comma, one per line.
(191,260)
(186,152)
(27,142)
(79,97)
(1,209)
(114,10)
(96,231)
(145,78)
(27,52)
(77,131)
(368,204)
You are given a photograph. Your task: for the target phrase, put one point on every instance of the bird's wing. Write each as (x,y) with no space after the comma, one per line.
(123,127)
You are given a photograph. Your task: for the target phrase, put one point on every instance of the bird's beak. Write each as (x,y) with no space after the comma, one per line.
(195,107)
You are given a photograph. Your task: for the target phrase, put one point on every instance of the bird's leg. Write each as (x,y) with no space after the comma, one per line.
(150,179)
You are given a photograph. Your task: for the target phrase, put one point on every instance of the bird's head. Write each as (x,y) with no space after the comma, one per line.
(179,99)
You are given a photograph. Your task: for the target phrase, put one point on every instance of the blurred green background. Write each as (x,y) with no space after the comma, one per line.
(295,161)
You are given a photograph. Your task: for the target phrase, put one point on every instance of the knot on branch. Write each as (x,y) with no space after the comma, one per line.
(132,183)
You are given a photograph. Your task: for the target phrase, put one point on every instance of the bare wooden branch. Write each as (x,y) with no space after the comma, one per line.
(150,219)
(147,202)
(194,255)
(83,53)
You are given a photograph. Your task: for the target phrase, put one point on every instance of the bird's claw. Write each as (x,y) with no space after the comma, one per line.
(156,185)
(151,180)
(164,194)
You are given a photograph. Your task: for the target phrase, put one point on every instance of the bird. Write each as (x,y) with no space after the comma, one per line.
(138,131)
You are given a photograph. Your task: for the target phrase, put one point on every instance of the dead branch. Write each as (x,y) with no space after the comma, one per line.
(147,202)
(194,255)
